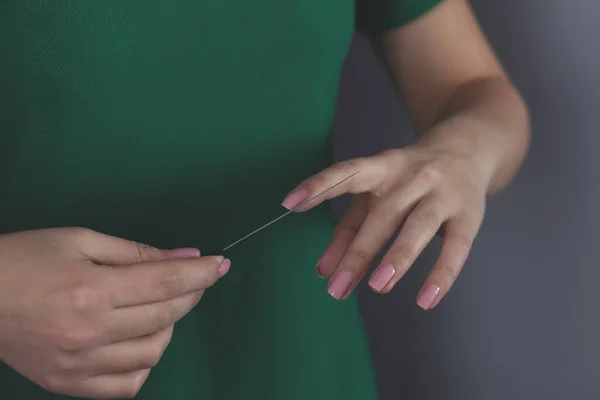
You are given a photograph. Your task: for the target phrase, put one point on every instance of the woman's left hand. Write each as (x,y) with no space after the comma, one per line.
(423,189)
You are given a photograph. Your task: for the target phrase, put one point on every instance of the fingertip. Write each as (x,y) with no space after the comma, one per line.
(320,273)
(295,198)
(340,285)
(381,277)
(428,295)
(385,290)
(224,267)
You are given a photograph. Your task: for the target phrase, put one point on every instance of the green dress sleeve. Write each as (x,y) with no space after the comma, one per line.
(376,16)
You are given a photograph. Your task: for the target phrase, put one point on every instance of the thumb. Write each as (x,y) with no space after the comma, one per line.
(110,250)
(339,179)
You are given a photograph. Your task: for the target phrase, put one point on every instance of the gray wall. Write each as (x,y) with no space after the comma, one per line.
(523,321)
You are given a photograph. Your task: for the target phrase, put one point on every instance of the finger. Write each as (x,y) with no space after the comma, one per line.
(116,386)
(137,321)
(157,281)
(109,250)
(125,356)
(419,229)
(343,235)
(456,245)
(379,226)
(370,173)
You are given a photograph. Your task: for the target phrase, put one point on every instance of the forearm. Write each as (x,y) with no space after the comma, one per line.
(486,120)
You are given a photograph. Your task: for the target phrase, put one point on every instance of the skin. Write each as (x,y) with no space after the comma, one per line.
(472,136)
(89,315)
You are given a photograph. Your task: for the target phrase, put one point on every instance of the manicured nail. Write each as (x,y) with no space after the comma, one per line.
(382,276)
(184,253)
(427,296)
(340,285)
(318,265)
(224,268)
(295,198)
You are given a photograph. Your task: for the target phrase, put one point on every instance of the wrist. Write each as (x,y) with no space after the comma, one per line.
(487,122)
(470,140)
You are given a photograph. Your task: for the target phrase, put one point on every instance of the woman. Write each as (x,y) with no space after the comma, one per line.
(179,125)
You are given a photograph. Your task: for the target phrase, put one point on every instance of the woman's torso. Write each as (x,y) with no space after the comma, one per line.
(184,123)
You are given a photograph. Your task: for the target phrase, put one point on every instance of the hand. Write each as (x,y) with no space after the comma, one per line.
(422,189)
(88,315)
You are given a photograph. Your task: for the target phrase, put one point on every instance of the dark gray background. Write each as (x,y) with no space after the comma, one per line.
(523,320)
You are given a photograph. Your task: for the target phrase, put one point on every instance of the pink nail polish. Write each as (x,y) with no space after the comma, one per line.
(294,198)
(382,276)
(184,253)
(340,285)
(224,268)
(427,296)
(318,265)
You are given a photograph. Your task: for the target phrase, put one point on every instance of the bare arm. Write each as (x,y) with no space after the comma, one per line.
(448,76)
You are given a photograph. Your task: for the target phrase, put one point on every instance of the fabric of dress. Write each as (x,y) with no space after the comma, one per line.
(183,124)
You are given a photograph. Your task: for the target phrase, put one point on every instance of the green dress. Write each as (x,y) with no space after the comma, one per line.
(184,123)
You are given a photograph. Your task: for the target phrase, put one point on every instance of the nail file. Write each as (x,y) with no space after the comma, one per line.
(221,251)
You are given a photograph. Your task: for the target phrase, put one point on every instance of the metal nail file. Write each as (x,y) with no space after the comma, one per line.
(224,249)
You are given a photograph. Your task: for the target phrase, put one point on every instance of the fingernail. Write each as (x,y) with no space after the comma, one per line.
(295,198)
(341,284)
(184,253)
(382,276)
(427,296)
(224,268)
(318,265)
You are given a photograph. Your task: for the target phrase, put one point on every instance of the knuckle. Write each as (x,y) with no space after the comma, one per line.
(429,172)
(75,339)
(139,248)
(347,231)
(80,234)
(449,271)
(341,166)
(171,282)
(382,189)
(84,299)
(316,182)
(80,231)
(390,153)
(65,362)
(164,315)
(463,242)
(393,208)
(404,257)
(353,164)
(146,252)
(428,218)
(358,257)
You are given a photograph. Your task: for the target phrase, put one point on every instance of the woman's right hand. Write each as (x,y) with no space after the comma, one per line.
(88,315)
